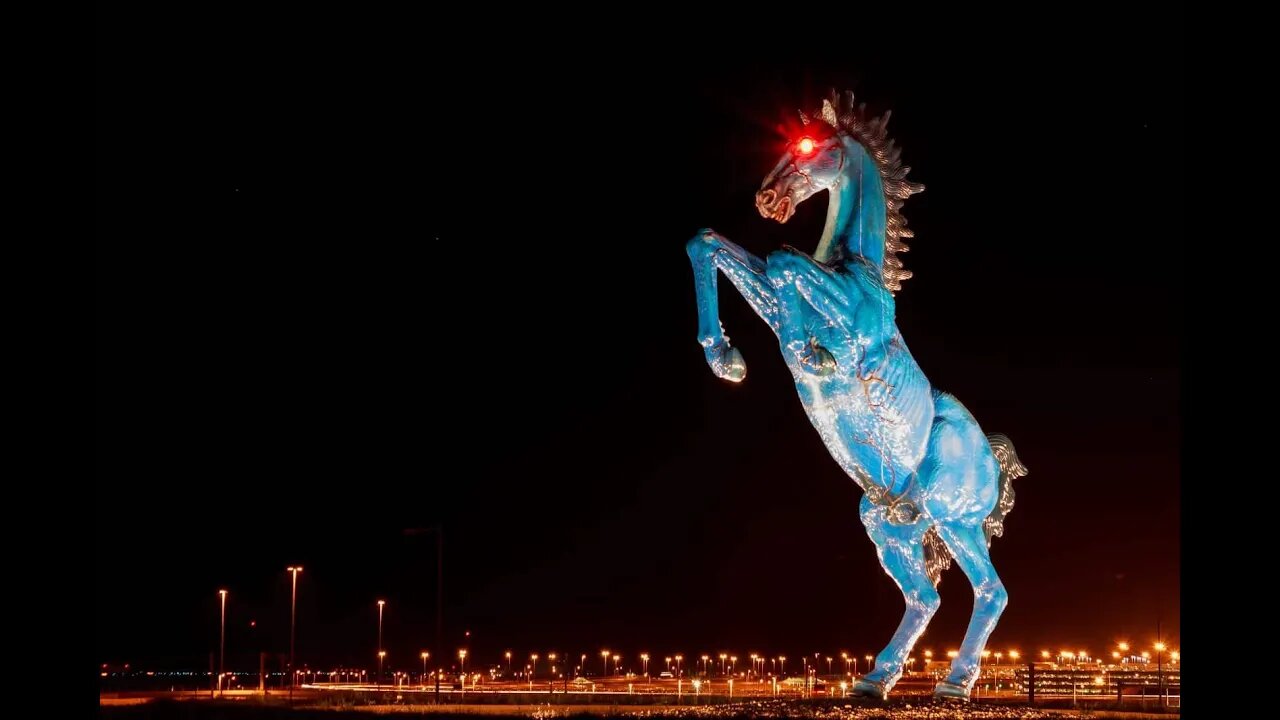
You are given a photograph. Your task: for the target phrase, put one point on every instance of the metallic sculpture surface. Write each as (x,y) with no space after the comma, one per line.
(935,487)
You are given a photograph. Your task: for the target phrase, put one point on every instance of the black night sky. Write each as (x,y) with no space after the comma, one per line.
(359,274)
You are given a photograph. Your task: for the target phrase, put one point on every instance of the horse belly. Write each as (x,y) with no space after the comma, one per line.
(872,432)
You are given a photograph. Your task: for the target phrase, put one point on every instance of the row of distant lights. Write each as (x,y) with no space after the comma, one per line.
(1081,656)
(174,673)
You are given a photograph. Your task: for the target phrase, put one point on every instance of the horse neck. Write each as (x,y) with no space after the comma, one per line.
(855,211)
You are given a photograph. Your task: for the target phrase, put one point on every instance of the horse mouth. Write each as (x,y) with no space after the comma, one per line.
(781,210)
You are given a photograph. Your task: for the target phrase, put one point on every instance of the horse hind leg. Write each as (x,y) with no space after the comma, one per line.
(968,544)
(901,552)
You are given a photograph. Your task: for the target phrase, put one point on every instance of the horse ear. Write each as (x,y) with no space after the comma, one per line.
(804,119)
(829,114)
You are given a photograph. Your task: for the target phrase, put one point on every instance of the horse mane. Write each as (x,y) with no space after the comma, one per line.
(840,112)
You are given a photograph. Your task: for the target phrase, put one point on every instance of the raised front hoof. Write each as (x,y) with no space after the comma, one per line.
(950,691)
(870,689)
(818,360)
(729,365)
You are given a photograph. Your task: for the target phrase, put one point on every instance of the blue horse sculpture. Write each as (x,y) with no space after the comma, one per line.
(934,487)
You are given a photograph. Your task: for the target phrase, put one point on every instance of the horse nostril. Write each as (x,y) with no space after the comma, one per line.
(765,198)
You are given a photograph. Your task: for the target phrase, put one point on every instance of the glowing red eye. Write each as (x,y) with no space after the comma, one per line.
(806,145)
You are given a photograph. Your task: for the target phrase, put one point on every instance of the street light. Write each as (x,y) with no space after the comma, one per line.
(1160,663)
(605,654)
(534,658)
(869,659)
(222,639)
(705,667)
(425,655)
(782,664)
(722,665)
(679,659)
(293,617)
(509,662)
(644,658)
(616,669)
(381,605)
(462,667)
(381,655)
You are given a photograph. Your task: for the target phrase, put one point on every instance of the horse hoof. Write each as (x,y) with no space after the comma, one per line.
(950,691)
(730,366)
(866,688)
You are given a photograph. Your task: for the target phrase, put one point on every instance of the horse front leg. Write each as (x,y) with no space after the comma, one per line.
(786,269)
(711,253)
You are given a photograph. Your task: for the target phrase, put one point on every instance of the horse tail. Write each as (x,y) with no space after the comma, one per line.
(937,558)
(1010,468)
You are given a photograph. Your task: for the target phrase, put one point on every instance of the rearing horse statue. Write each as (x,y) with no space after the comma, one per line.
(934,487)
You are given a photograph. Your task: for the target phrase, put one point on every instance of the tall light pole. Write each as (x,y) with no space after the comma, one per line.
(222,639)
(1160,664)
(382,654)
(425,655)
(293,624)
(679,659)
(381,604)
(508,662)
(644,658)
(605,654)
